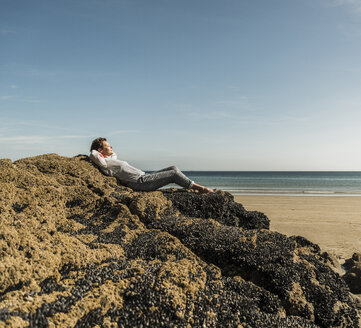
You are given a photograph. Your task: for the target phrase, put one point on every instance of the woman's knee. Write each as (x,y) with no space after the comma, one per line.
(175,168)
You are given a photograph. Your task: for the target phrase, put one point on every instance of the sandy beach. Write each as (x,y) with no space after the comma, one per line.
(334,223)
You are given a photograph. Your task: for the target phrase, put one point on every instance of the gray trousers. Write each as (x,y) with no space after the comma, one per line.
(158,179)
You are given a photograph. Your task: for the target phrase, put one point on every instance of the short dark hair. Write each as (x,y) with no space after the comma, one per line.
(97,143)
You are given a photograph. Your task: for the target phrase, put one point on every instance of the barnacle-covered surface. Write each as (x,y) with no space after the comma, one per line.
(79,250)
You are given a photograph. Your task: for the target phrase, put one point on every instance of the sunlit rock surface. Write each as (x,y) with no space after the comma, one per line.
(353,273)
(78,250)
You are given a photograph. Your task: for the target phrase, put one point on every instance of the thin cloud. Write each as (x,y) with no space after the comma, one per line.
(72,137)
(350,31)
(211,115)
(35,72)
(25,139)
(354,5)
(63,73)
(37,139)
(6,31)
(231,103)
(222,109)
(277,120)
(234,87)
(241,103)
(123,132)
(37,124)
(347,2)
(13,86)
(21,100)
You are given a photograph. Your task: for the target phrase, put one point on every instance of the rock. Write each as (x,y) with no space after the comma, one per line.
(219,206)
(77,249)
(353,273)
(333,262)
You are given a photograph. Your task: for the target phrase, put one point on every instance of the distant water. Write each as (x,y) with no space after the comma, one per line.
(281,183)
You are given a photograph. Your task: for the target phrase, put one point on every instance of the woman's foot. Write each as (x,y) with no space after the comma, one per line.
(207,190)
(202,189)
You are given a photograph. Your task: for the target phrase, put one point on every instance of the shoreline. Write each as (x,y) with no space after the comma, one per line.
(296,194)
(331,221)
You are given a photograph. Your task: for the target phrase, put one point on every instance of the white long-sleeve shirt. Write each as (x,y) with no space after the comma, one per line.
(116,168)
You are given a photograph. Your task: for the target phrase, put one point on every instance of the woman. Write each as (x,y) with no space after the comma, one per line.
(101,153)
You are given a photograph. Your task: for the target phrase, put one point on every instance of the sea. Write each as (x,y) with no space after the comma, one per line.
(281,183)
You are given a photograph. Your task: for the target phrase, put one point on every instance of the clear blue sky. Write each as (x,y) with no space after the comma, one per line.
(203,84)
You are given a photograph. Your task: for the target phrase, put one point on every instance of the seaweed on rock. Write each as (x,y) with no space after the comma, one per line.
(78,250)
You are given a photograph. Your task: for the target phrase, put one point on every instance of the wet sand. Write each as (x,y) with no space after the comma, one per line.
(334,223)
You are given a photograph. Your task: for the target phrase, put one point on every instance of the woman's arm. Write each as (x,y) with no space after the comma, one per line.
(98,159)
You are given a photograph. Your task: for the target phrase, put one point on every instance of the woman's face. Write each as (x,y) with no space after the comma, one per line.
(107,149)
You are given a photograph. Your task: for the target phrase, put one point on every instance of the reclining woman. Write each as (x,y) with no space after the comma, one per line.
(101,153)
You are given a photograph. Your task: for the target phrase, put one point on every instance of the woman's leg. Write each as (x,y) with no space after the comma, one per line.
(153,181)
(167,169)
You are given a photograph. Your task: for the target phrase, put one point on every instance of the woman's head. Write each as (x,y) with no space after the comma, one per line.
(97,143)
(102,146)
